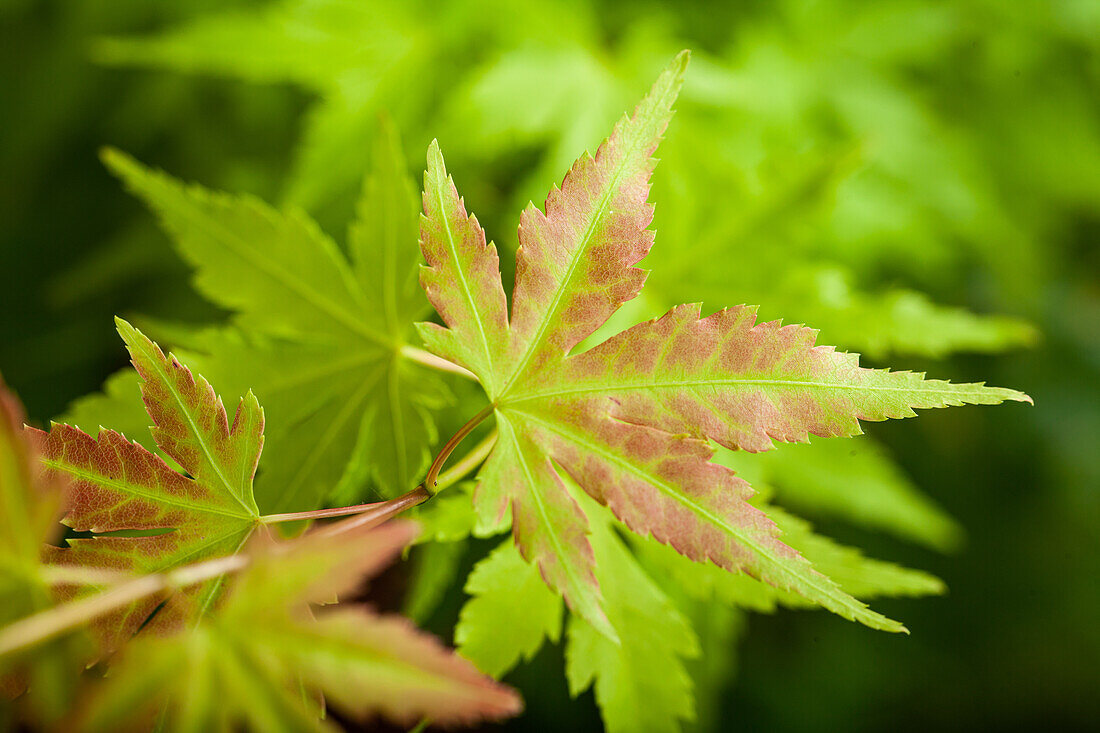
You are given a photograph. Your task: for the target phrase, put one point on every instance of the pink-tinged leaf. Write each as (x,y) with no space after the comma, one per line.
(743,384)
(367,663)
(629,419)
(190,423)
(119,485)
(664,485)
(266,655)
(575,264)
(462,280)
(550,529)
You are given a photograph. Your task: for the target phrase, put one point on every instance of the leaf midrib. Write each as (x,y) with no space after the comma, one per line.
(154,360)
(672,384)
(564,286)
(241,248)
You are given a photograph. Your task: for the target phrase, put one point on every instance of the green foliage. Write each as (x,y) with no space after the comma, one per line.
(319,325)
(789,134)
(821,163)
(857,482)
(623,424)
(177,641)
(631,695)
(490,633)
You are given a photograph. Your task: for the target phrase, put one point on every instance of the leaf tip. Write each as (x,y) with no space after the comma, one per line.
(125,329)
(435,155)
(680,63)
(117,162)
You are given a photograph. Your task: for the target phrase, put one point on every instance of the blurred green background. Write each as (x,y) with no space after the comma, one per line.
(919,180)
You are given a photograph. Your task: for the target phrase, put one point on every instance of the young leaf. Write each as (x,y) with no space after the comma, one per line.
(120,486)
(490,633)
(641,684)
(320,339)
(628,420)
(245,665)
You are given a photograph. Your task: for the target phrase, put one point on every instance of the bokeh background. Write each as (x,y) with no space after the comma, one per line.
(920,180)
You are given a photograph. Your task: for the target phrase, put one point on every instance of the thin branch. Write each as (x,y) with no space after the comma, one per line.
(432,361)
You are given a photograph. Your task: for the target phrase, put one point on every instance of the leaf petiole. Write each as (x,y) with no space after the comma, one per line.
(430,481)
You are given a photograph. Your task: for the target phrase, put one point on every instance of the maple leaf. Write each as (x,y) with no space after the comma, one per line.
(247,664)
(489,632)
(656,636)
(29,505)
(319,339)
(172,518)
(628,419)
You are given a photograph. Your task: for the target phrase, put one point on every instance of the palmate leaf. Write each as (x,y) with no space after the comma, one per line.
(628,420)
(249,664)
(117,485)
(318,338)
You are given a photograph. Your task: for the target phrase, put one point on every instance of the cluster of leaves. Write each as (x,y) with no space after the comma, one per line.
(821,220)
(188,647)
(784,118)
(603,448)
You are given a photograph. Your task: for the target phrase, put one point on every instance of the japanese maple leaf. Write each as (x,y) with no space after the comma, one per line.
(629,419)
(247,665)
(170,518)
(317,334)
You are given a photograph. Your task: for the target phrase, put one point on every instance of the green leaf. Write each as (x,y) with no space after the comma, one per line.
(629,419)
(490,632)
(358,60)
(858,482)
(120,486)
(317,337)
(640,684)
(244,665)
